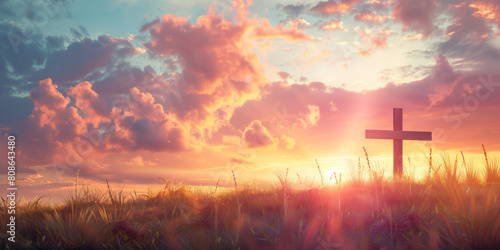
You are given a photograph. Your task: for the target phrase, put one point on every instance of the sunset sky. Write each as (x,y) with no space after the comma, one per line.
(130,91)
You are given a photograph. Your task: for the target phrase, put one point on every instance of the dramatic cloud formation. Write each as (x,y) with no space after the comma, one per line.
(219,70)
(92,54)
(52,118)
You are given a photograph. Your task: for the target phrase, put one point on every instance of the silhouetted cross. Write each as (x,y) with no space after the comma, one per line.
(398,135)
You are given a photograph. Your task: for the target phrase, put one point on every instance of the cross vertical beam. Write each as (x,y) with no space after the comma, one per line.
(397,114)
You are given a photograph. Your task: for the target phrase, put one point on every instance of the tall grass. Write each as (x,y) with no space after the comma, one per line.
(472,176)
(450,212)
(492,171)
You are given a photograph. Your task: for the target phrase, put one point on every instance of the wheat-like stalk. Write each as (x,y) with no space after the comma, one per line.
(463,159)
(367,159)
(216,186)
(109,191)
(360,170)
(485,156)
(76,184)
(430,162)
(235,183)
(319,169)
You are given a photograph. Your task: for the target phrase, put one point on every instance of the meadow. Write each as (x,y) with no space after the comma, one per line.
(454,206)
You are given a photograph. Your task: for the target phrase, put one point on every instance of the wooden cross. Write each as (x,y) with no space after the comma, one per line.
(398,135)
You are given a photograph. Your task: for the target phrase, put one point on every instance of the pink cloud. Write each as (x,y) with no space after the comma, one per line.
(219,71)
(416,15)
(52,116)
(334,7)
(142,123)
(471,22)
(87,100)
(47,95)
(256,135)
(444,80)
(57,128)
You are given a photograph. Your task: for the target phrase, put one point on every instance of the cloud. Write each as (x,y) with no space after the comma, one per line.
(413,37)
(444,80)
(379,5)
(469,38)
(369,16)
(293,10)
(299,23)
(57,123)
(89,103)
(31,178)
(52,117)
(212,69)
(142,123)
(286,142)
(283,75)
(416,15)
(333,7)
(61,65)
(219,70)
(257,136)
(312,116)
(157,136)
(373,41)
(468,24)
(488,10)
(333,25)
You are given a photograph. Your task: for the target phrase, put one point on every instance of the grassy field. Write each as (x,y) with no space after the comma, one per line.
(455,206)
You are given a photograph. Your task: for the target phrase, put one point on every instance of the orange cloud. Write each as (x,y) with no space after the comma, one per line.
(219,69)
(334,7)
(370,17)
(52,117)
(333,25)
(485,10)
(88,102)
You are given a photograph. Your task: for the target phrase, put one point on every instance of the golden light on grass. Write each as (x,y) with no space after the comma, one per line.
(452,208)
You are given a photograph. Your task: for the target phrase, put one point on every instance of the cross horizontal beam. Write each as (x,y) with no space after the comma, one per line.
(398,135)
